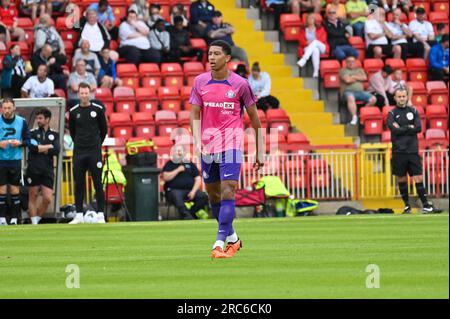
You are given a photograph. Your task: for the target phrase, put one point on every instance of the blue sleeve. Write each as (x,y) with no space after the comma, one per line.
(194,14)
(113,70)
(26,138)
(434,58)
(111,16)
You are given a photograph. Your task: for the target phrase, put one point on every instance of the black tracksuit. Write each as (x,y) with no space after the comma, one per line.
(88,129)
(405,144)
(40,165)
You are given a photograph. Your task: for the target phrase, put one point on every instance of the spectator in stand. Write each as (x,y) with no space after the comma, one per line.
(105,16)
(260,83)
(423,34)
(38,86)
(201,15)
(179,10)
(298,6)
(352,88)
(397,82)
(94,32)
(54,61)
(155,14)
(357,11)
(45,33)
(313,43)
(134,43)
(218,30)
(399,33)
(57,6)
(377,32)
(107,77)
(141,7)
(30,8)
(5,37)
(439,60)
(440,31)
(337,37)
(241,69)
(279,7)
(13,75)
(78,76)
(91,59)
(405,5)
(180,42)
(160,40)
(339,7)
(10,18)
(382,87)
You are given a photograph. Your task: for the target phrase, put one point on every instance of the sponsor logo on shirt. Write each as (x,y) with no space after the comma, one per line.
(222,105)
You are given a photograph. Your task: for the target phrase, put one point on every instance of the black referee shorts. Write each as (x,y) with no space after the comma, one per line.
(37,178)
(403,164)
(10,176)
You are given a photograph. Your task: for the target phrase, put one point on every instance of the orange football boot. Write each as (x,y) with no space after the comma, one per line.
(219,253)
(232,248)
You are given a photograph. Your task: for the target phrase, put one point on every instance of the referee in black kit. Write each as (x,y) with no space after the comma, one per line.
(88,129)
(404,123)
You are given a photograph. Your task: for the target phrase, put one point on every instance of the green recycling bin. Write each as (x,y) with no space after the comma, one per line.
(142,192)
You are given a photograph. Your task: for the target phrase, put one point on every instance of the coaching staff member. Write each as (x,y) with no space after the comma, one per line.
(14,135)
(88,128)
(43,147)
(404,123)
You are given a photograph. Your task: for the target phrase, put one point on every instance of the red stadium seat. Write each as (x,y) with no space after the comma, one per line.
(435,136)
(297,176)
(329,71)
(320,173)
(372,66)
(166,121)
(144,123)
(184,120)
(439,17)
(150,75)
(438,92)
(119,12)
(172,74)
(121,125)
(147,100)
(191,70)
(185,94)
(262,119)
(162,145)
(437,116)
(297,143)
(277,118)
(417,69)
(199,43)
(105,96)
(419,97)
(124,99)
(318,18)
(26,23)
(397,64)
(386,136)
(385,111)
(290,26)
(170,98)
(359,45)
(128,73)
(420,4)
(69,50)
(423,119)
(372,119)
(60,93)
(441,6)
(276,143)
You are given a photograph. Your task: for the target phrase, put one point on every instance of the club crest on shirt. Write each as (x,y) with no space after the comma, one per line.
(93,114)
(230,94)
(409,116)
(78,115)
(51,137)
(205,175)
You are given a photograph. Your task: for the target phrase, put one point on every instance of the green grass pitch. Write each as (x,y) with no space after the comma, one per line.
(303,257)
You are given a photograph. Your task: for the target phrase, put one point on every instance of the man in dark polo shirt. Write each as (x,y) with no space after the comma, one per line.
(182,183)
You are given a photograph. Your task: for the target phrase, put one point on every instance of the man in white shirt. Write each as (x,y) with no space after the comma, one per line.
(94,32)
(423,33)
(400,33)
(38,86)
(134,43)
(377,43)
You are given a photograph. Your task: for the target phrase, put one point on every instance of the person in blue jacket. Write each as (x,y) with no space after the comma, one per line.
(14,135)
(107,76)
(201,15)
(439,60)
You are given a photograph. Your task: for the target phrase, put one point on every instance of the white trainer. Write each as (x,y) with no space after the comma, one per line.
(354,120)
(78,219)
(101,218)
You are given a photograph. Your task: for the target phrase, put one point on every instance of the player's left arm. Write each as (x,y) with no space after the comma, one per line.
(102,124)
(26,136)
(417,126)
(256,124)
(54,151)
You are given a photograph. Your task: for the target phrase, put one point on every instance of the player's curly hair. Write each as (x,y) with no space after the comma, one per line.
(226,48)
(45,112)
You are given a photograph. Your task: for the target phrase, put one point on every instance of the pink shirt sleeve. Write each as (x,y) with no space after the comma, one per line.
(247,95)
(195,98)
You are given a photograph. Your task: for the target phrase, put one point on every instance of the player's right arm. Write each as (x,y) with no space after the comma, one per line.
(256,124)
(195,128)
(72,126)
(394,126)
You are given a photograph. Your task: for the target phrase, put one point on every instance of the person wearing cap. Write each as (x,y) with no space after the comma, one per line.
(201,12)
(381,86)
(160,39)
(218,30)
(154,15)
(439,60)
(423,33)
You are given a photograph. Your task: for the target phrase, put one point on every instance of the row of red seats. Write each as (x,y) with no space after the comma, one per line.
(373,120)
(127,124)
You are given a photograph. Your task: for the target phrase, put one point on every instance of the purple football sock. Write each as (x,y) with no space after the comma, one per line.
(215,208)
(226,216)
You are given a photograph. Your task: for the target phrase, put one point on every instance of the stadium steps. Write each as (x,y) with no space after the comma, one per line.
(297,101)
